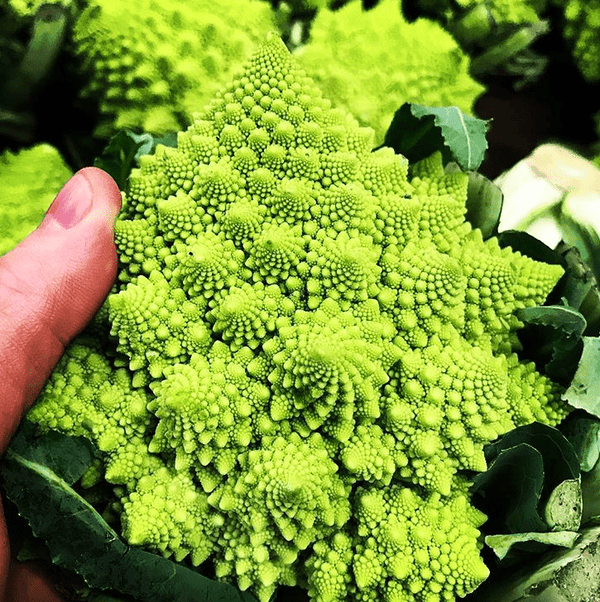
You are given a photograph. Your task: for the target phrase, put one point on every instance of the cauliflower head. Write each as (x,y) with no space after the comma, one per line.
(152,63)
(582,34)
(305,352)
(29,181)
(371,62)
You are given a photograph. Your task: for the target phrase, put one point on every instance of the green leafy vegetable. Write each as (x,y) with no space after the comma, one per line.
(565,575)
(67,457)
(584,392)
(49,31)
(80,540)
(509,491)
(532,486)
(553,337)
(560,459)
(530,246)
(124,150)
(583,432)
(484,202)
(580,235)
(502,544)
(511,47)
(417,131)
(579,287)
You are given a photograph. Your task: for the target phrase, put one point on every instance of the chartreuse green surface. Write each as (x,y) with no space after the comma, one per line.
(150,64)
(371,62)
(311,345)
(29,181)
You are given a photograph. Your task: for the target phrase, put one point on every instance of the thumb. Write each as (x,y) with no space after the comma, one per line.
(51,285)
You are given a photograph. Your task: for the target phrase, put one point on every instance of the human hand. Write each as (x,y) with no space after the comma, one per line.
(51,285)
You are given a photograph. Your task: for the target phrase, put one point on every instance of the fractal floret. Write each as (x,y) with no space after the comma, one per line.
(152,63)
(304,355)
(27,8)
(370,62)
(29,181)
(582,34)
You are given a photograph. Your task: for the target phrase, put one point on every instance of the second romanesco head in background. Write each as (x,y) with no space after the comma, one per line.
(371,62)
(29,180)
(152,63)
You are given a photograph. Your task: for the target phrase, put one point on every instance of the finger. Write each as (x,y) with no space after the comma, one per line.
(50,287)
(27,582)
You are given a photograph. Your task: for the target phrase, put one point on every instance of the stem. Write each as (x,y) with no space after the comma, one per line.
(514,44)
(49,29)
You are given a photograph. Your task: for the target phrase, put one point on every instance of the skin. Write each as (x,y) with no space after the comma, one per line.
(51,285)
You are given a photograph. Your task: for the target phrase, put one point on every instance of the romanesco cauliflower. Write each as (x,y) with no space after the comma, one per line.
(582,33)
(309,346)
(26,9)
(481,22)
(29,181)
(371,62)
(152,63)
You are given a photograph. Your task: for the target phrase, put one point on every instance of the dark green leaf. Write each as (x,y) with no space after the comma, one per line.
(98,596)
(484,202)
(509,491)
(49,29)
(590,489)
(579,287)
(416,132)
(124,150)
(76,589)
(80,540)
(584,392)
(525,466)
(584,237)
(552,338)
(150,142)
(570,575)
(560,460)
(568,321)
(118,158)
(529,246)
(583,432)
(68,457)
(509,48)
